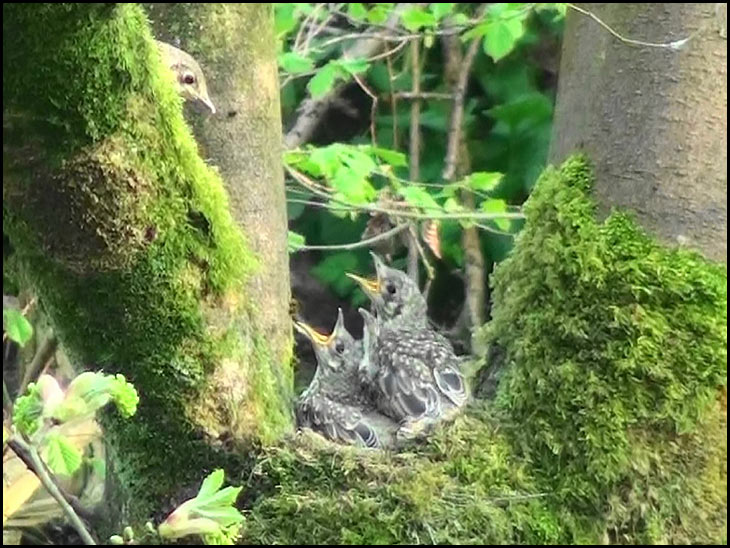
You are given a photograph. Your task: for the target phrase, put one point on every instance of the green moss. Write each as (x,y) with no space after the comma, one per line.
(463,486)
(616,349)
(128,237)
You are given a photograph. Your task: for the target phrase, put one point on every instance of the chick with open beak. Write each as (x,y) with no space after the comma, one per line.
(334,404)
(394,295)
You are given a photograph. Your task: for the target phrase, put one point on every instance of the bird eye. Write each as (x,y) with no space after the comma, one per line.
(340,347)
(390,288)
(188,78)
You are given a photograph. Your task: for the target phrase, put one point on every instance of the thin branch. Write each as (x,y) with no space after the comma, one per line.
(363,243)
(373,107)
(424,95)
(676,44)
(44,352)
(457,111)
(29,454)
(393,100)
(414,153)
(309,184)
(313,110)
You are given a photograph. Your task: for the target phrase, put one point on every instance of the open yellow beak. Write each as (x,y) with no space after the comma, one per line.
(370,286)
(312,334)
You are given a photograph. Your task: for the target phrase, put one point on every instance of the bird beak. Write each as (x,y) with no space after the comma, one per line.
(371,287)
(312,334)
(208,103)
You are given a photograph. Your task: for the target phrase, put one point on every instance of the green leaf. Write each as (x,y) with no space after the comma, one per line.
(379,13)
(353,66)
(330,271)
(321,83)
(392,157)
(61,456)
(418,197)
(413,19)
(484,181)
(441,9)
(284,18)
(211,484)
(356,11)
(501,37)
(16,326)
(477,32)
(295,63)
(294,241)
(497,206)
(327,159)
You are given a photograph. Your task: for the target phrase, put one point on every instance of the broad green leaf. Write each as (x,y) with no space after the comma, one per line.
(331,269)
(497,206)
(353,66)
(353,185)
(284,18)
(294,241)
(476,32)
(418,197)
(441,9)
(327,159)
(361,162)
(321,83)
(392,157)
(501,37)
(414,18)
(379,13)
(295,63)
(61,456)
(356,11)
(16,326)
(211,484)
(484,181)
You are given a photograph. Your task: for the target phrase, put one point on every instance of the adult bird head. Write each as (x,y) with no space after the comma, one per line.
(393,293)
(188,75)
(336,352)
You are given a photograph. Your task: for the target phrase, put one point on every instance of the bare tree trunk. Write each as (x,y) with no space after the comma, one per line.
(654,121)
(236,46)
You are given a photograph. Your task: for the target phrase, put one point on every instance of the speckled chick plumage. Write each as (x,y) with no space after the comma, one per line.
(335,404)
(411,371)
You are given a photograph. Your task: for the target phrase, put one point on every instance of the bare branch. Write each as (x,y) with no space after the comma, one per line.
(363,243)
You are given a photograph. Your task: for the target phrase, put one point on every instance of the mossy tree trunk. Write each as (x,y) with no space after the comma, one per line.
(235,43)
(129,240)
(653,121)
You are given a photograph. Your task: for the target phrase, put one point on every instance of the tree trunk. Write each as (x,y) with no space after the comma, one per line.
(128,238)
(653,121)
(235,43)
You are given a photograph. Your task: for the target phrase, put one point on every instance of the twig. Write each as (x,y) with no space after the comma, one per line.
(306,182)
(414,154)
(424,95)
(363,243)
(43,353)
(313,110)
(457,111)
(32,458)
(23,312)
(373,107)
(393,101)
(676,44)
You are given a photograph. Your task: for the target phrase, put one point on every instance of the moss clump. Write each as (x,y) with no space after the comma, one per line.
(616,352)
(462,487)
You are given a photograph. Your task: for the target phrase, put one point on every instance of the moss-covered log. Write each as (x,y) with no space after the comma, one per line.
(128,238)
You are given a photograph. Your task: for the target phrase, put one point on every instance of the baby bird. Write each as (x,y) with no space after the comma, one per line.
(188,75)
(395,297)
(334,404)
(412,371)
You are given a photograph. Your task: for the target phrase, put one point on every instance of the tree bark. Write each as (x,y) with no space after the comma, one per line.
(653,121)
(235,44)
(130,243)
